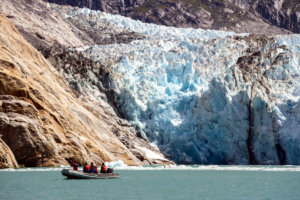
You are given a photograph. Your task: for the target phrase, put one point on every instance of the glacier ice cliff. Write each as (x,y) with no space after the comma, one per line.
(205,97)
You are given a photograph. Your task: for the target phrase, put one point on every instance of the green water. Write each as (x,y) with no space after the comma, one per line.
(154,184)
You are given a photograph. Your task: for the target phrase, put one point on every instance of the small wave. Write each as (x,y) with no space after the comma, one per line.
(213,168)
(119,165)
(34,169)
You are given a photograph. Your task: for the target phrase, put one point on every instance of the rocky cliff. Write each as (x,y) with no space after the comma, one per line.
(43,123)
(44,27)
(7,158)
(252,16)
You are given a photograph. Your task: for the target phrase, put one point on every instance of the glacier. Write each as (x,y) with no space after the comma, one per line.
(204,96)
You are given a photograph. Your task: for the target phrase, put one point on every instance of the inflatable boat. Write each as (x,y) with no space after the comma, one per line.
(74,174)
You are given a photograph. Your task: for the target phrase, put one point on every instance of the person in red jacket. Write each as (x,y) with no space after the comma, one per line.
(75,166)
(86,168)
(103,168)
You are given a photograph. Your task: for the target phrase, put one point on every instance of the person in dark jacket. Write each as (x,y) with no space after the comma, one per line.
(86,168)
(91,168)
(95,170)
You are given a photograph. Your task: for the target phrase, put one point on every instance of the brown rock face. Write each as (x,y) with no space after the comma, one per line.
(22,130)
(41,26)
(42,122)
(50,28)
(7,158)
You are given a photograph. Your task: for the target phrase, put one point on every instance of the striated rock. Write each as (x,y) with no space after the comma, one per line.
(41,26)
(44,124)
(22,130)
(54,27)
(7,158)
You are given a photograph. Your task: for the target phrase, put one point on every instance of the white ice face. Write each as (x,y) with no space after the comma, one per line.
(185,90)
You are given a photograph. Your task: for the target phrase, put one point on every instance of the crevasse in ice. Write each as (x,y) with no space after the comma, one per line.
(206,96)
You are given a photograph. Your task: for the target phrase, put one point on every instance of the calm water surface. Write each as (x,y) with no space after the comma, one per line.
(154,184)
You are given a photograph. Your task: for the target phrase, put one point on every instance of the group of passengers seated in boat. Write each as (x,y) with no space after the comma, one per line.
(93,168)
